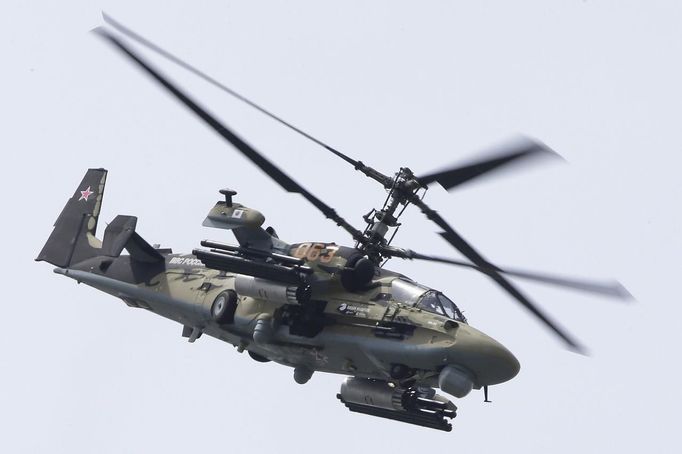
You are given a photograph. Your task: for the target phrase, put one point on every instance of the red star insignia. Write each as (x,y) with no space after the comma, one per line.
(85,194)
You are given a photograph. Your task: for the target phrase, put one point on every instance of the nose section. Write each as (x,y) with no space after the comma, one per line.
(489,361)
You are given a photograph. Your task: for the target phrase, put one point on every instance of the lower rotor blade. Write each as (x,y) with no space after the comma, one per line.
(469,252)
(613,290)
(450,178)
(264,164)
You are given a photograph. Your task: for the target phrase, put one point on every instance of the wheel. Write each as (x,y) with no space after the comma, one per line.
(400,371)
(259,358)
(224,307)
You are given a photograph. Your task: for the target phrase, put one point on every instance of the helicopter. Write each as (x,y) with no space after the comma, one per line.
(312,306)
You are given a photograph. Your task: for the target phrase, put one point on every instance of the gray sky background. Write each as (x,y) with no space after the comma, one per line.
(421,84)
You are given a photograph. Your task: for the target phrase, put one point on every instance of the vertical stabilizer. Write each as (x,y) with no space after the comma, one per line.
(73,238)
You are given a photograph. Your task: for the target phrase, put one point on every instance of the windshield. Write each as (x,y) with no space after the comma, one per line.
(438,303)
(406,292)
(424,298)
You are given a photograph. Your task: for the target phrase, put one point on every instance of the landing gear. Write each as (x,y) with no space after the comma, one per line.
(400,371)
(257,357)
(302,374)
(224,307)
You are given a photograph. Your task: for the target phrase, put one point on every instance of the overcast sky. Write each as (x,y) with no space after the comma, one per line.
(418,84)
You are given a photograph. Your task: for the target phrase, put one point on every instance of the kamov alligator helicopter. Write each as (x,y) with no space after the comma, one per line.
(312,306)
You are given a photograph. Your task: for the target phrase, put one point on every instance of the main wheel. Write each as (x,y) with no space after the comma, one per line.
(224,306)
(259,358)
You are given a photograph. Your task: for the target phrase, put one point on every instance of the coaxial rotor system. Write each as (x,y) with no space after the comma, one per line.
(404,188)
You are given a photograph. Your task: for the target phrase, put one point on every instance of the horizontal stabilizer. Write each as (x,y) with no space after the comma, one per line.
(120,234)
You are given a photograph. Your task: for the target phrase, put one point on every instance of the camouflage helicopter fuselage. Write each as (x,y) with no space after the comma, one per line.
(294,308)
(311,306)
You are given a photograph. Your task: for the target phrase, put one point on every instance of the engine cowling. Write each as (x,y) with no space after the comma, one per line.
(358,272)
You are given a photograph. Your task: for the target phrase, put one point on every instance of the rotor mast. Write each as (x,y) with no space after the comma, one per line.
(403,187)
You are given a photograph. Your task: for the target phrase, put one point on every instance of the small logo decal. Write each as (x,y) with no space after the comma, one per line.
(353,309)
(85,194)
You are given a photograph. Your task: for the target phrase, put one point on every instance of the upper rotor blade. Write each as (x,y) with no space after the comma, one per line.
(613,290)
(164,53)
(468,251)
(512,154)
(268,167)
(358,165)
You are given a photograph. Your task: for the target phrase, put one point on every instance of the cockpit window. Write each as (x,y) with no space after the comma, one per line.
(406,292)
(430,303)
(438,303)
(451,309)
(424,298)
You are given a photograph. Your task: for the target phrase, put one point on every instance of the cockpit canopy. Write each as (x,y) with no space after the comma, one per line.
(424,298)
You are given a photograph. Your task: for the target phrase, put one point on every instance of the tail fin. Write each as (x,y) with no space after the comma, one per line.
(73,238)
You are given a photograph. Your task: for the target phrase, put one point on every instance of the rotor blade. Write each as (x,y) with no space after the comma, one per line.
(468,251)
(358,165)
(266,166)
(511,154)
(610,289)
